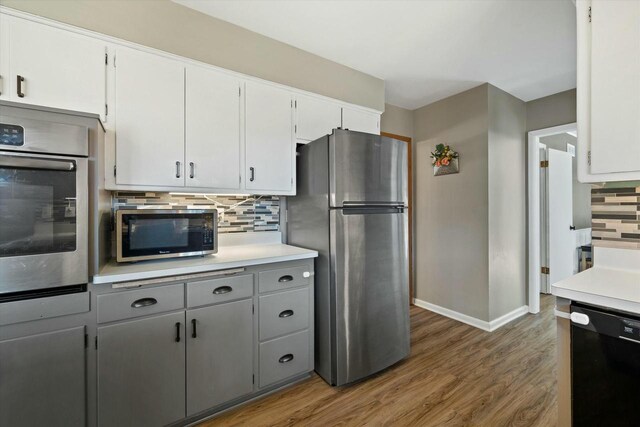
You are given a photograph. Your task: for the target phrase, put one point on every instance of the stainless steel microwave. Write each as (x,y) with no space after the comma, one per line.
(145,234)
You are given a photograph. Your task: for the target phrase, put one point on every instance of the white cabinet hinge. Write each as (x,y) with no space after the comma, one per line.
(295,129)
(589,13)
(239,91)
(106,59)
(589,157)
(106,110)
(114,61)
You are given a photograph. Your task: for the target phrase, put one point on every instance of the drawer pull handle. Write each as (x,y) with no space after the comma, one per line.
(286,358)
(194,334)
(284,279)
(178,332)
(144,302)
(222,290)
(286,313)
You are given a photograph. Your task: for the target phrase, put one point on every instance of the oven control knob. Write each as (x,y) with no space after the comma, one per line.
(579,318)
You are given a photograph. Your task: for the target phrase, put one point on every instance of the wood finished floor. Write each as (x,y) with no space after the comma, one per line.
(456,375)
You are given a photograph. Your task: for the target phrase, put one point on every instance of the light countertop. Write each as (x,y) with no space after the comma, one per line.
(228,257)
(614,281)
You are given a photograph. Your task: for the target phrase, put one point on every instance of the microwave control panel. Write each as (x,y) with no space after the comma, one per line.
(12,135)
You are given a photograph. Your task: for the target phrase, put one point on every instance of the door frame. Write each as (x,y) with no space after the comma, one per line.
(408,140)
(533,198)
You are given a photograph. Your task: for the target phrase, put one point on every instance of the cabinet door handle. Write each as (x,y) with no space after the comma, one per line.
(178,332)
(222,290)
(571,227)
(192,168)
(20,79)
(252,172)
(194,334)
(286,313)
(177,169)
(286,358)
(144,302)
(284,279)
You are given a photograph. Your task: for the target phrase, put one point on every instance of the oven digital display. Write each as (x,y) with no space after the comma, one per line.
(12,135)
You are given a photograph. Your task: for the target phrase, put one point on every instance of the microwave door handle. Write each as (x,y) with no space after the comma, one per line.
(11,160)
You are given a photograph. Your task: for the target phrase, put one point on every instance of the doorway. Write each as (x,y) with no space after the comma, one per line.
(409,204)
(559,211)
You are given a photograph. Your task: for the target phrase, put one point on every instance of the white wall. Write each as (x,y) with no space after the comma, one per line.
(507,203)
(451,212)
(397,120)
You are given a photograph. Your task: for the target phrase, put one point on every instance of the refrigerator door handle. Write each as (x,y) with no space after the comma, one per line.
(373,205)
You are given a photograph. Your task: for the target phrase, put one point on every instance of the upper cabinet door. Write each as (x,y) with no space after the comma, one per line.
(608,90)
(361,121)
(316,117)
(149,120)
(54,68)
(269,138)
(4,57)
(212,130)
(615,86)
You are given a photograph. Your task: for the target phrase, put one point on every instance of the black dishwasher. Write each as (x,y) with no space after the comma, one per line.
(605,367)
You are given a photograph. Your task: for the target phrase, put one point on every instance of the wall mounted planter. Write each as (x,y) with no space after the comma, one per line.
(451,168)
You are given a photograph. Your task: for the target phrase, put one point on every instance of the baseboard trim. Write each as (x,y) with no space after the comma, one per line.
(506,318)
(472,321)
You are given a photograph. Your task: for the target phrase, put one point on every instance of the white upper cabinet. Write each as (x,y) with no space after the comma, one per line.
(316,117)
(52,67)
(149,120)
(269,141)
(212,129)
(4,57)
(361,121)
(608,93)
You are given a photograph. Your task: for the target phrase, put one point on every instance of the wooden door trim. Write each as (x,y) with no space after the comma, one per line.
(410,203)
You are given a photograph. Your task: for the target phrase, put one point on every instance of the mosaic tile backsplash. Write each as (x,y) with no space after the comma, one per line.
(616,217)
(236,214)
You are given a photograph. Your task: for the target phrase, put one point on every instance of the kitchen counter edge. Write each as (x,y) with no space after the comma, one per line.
(227,258)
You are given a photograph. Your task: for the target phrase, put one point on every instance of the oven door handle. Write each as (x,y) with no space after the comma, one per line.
(17,161)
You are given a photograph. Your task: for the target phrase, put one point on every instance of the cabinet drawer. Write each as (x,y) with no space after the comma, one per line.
(283,278)
(284,357)
(213,291)
(283,313)
(128,304)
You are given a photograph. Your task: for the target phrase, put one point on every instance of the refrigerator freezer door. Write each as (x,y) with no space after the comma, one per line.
(370,280)
(366,169)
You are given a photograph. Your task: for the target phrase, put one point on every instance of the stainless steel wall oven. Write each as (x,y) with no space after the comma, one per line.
(43,206)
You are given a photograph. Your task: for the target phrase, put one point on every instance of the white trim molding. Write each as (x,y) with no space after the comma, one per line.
(533,198)
(472,321)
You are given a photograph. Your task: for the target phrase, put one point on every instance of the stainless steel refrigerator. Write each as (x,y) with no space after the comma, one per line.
(351,207)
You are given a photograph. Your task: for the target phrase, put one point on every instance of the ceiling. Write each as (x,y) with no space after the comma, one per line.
(425,50)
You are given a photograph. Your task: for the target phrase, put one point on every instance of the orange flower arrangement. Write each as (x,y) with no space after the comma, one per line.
(443,156)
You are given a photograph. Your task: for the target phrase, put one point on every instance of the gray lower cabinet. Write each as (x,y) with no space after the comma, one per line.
(141,372)
(219,354)
(42,379)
